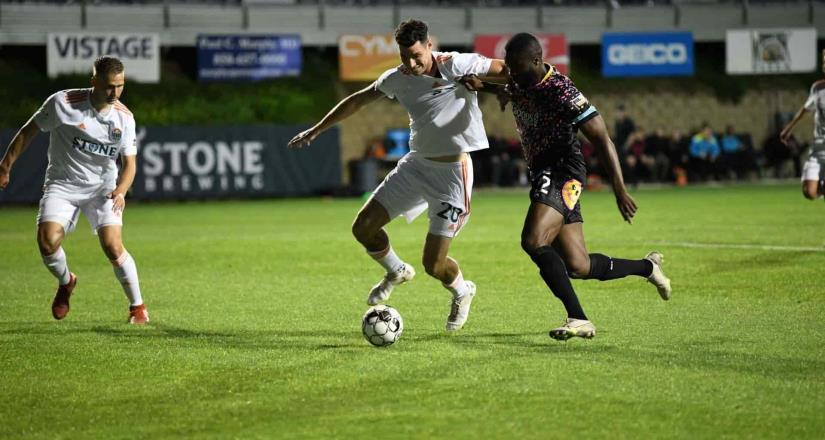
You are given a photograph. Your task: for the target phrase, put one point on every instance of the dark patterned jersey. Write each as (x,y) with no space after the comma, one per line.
(548,115)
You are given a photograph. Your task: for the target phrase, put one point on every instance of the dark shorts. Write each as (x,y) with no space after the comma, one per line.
(560,191)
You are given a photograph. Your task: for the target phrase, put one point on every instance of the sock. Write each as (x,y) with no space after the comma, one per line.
(554,273)
(56,263)
(126,273)
(387,259)
(458,287)
(604,268)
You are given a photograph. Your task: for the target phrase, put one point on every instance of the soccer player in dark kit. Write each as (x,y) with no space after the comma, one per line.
(549,111)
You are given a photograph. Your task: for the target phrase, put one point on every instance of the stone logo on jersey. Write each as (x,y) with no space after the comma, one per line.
(116,134)
(103,150)
(570,193)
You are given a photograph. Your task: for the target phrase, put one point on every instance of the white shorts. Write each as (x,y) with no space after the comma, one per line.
(417,183)
(812,169)
(64,208)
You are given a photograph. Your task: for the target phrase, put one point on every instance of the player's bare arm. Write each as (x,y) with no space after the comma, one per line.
(596,132)
(124,182)
(343,110)
(785,135)
(16,147)
(476,84)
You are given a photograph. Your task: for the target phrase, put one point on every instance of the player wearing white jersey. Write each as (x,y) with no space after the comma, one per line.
(813,178)
(89,129)
(437,174)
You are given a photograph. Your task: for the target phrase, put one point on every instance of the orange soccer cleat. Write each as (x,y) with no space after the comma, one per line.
(60,305)
(138,314)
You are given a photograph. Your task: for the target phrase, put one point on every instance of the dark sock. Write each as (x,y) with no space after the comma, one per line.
(554,273)
(605,268)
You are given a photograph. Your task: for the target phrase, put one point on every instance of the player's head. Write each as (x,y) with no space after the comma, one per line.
(524,59)
(414,46)
(108,78)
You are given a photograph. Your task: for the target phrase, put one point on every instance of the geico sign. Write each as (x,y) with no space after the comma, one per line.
(654,53)
(359,45)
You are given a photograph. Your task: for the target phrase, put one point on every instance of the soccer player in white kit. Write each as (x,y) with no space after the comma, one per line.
(88,130)
(437,174)
(813,178)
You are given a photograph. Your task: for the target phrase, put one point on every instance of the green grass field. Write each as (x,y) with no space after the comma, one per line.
(256,310)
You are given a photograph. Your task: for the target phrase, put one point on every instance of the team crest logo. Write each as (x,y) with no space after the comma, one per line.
(570,193)
(116,134)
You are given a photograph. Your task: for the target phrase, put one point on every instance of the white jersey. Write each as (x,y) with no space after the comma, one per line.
(816,103)
(444,116)
(83,143)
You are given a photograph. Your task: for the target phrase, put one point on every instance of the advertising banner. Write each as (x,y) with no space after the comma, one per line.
(366,57)
(647,54)
(554,48)
(182,162)
(75,52)
(762,51)
(248,57)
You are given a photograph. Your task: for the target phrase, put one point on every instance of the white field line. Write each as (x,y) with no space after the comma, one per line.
(761,247)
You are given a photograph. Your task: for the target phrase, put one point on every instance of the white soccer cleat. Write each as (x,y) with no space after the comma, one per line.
(657,277)
(581,328)
(381,291)
(460,308)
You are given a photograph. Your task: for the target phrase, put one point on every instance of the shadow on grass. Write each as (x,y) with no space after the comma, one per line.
(709,352)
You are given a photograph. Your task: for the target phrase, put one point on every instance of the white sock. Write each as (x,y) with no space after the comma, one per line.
(458,287)
(56,263)
(387,259)
(126,273)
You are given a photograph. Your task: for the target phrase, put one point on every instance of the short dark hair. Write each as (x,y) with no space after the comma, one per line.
(523,45)
(411,31)
(106,64)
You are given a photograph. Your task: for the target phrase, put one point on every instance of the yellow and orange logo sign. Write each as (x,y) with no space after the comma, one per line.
(366,57)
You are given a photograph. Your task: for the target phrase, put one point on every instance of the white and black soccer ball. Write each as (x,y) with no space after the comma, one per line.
(382,325)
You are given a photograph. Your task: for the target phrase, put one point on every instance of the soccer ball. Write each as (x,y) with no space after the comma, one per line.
(382,325)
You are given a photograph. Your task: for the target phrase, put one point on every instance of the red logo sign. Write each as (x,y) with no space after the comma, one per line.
(554,47)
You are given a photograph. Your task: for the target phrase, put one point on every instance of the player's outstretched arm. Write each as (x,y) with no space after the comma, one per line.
(124,182)
(595,131)
(785,135)
(476,84)
(16,147)
(343,110)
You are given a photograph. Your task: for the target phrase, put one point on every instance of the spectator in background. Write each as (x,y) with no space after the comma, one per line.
(704,154)
(657,146)
(638,164)
(624,126)
(737,157)
(778,153)
(678,153)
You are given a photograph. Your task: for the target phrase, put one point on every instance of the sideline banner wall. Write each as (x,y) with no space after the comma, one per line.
(554,47)
(178,163)
(765,51)
(366,57)
(647,54)
(248,57)
(75,52)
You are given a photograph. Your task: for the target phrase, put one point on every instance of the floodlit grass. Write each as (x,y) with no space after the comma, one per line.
(256,309)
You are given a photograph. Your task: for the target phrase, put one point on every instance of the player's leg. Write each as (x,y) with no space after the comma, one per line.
(396,195)
(125,269)
(55,217)
(581,265)
(108,225)
(811,178)
(541,226)
(445,269)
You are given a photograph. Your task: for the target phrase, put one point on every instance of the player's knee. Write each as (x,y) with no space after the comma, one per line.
(810,192)
(48,242)
(578,267)
(112,248)
(531,242)
(360,227)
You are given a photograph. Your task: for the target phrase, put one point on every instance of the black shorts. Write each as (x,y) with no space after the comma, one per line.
(560,191)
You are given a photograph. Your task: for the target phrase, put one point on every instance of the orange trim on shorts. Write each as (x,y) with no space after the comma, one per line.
(464,179)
